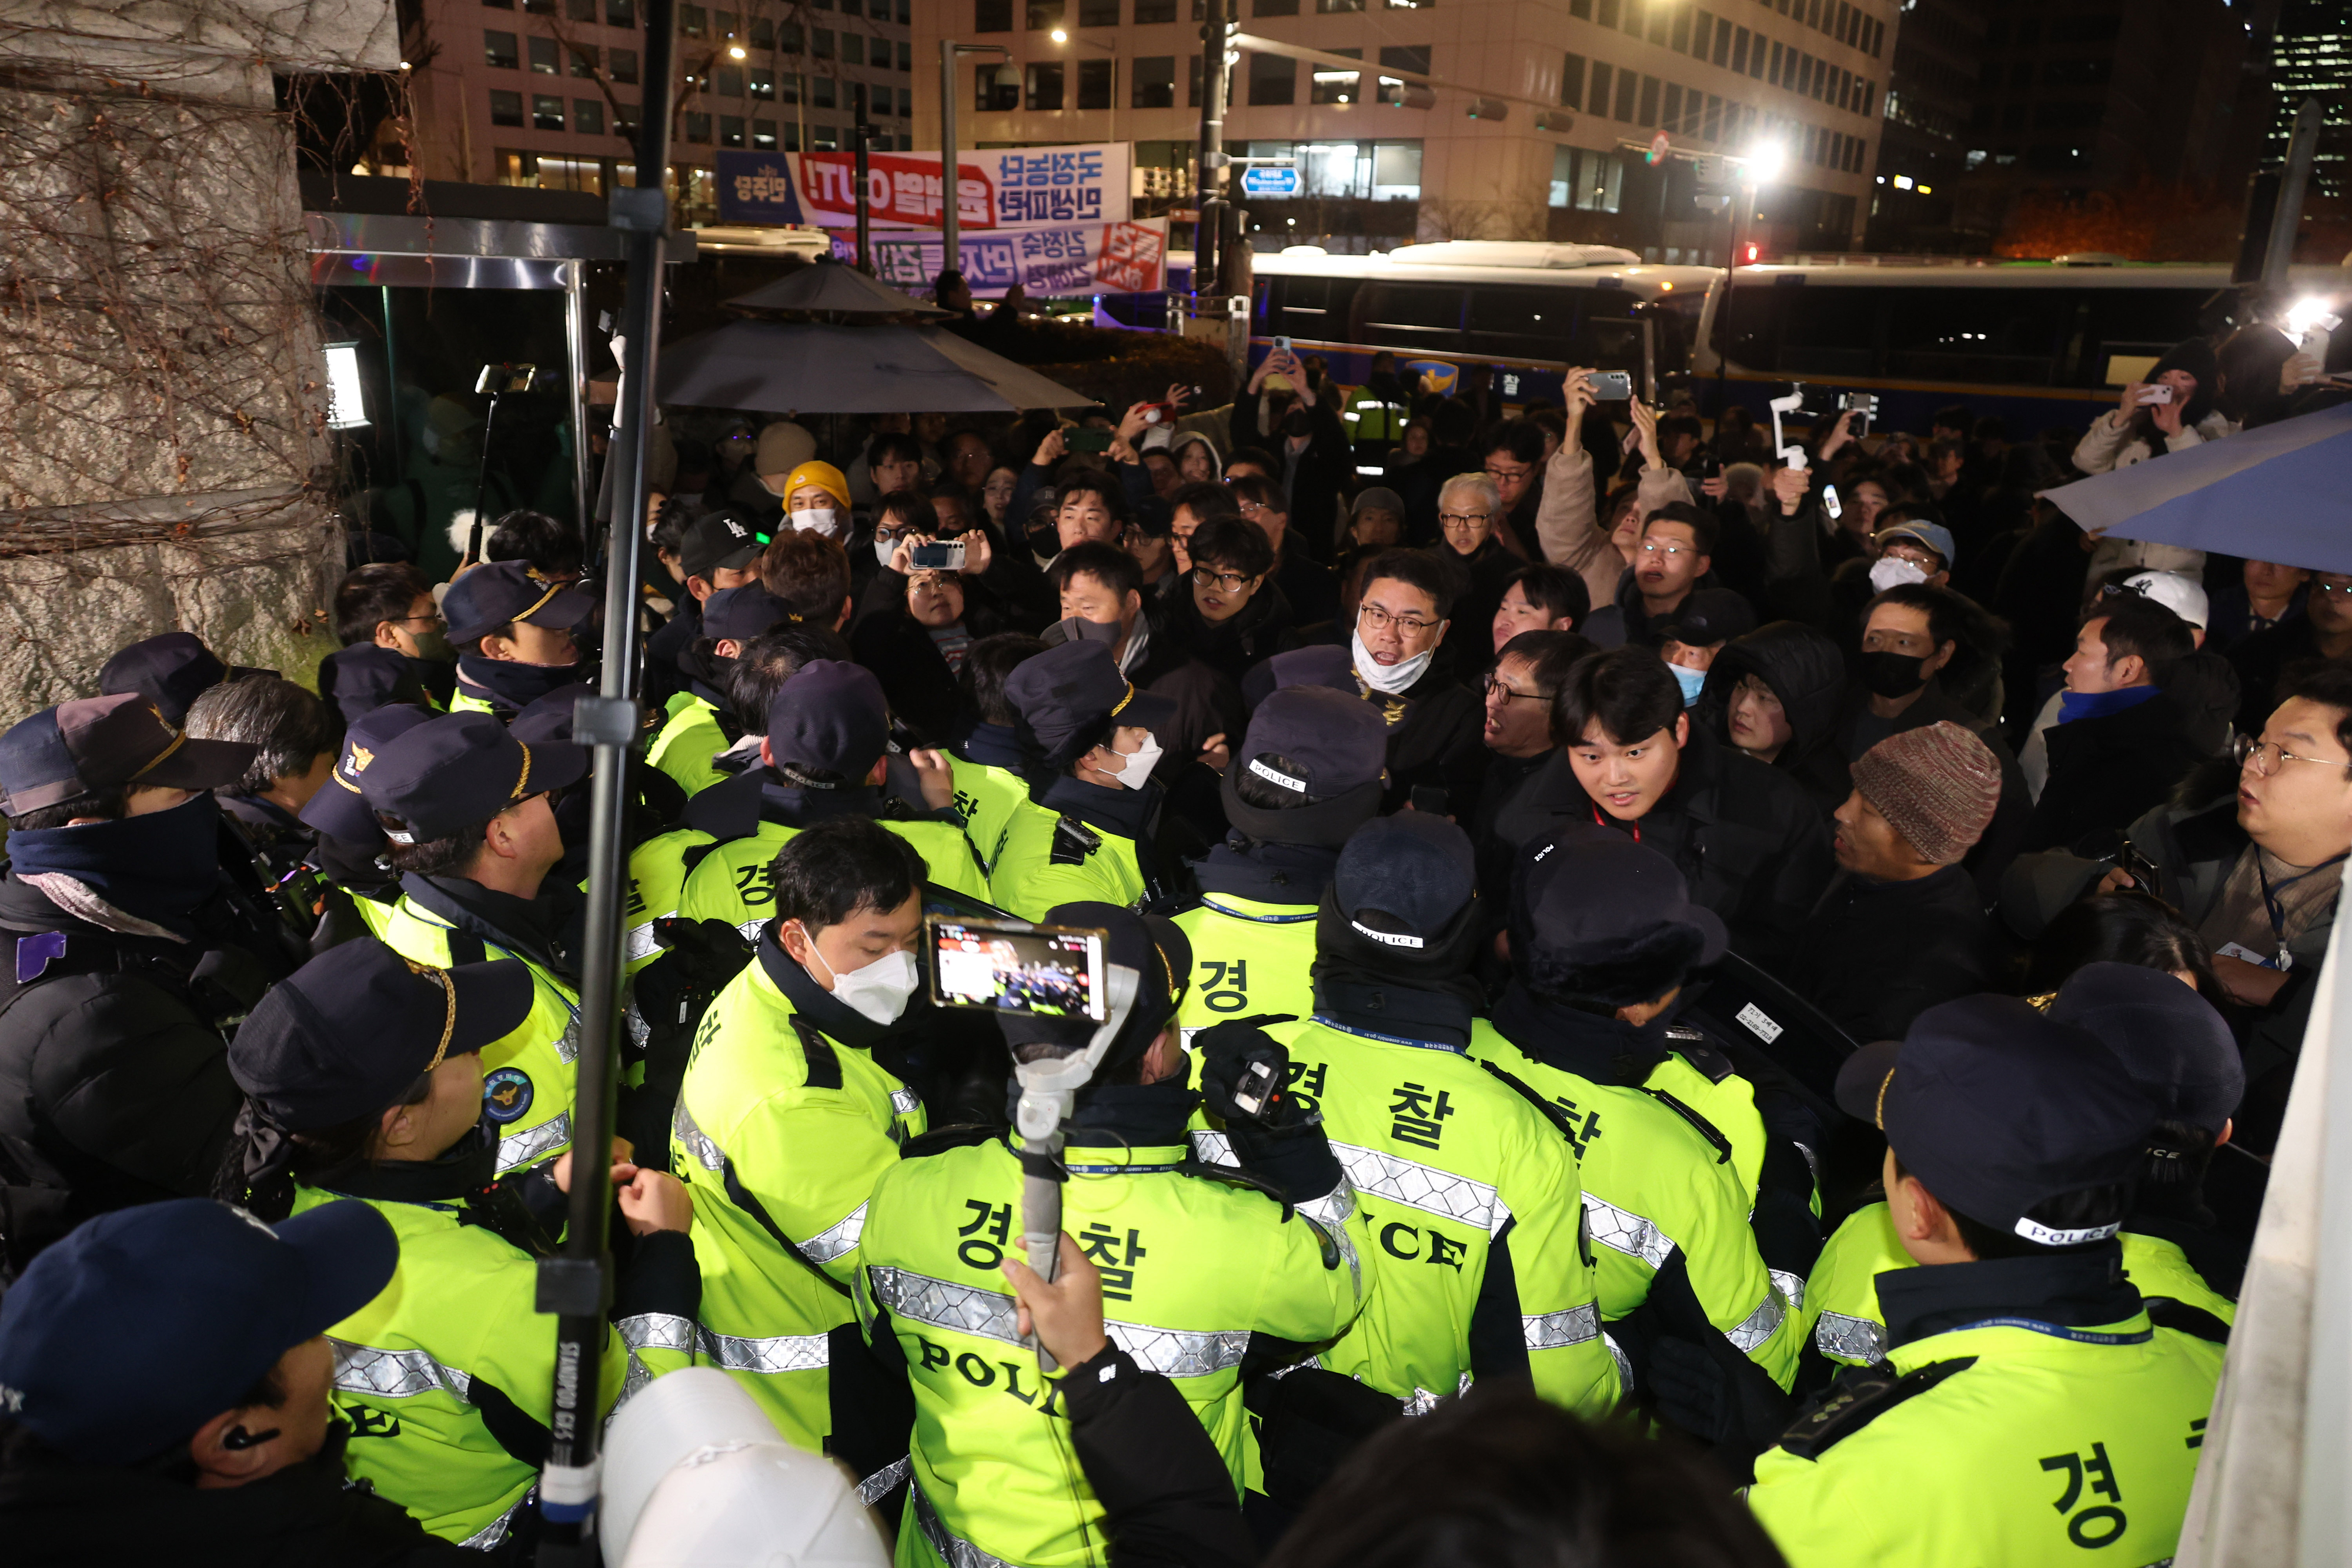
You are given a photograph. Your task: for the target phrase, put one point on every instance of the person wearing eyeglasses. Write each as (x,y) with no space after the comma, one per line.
(1234,614)
(2324,631)
(1514,464)
(1674,559)
(1400,661)
(2253,858)
(470,824)
(1306,582)
(1470,518)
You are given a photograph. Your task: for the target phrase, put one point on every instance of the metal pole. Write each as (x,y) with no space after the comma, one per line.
(1206,223)
(575,348)
(950,220)
(577,1286)
(862,133)
(2288,216)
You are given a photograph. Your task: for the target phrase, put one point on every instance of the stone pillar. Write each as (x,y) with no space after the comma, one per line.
(165,460)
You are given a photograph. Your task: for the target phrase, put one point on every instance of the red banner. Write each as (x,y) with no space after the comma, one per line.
(899,190)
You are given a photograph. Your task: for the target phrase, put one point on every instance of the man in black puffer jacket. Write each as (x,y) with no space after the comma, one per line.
(1775,695)
(114,1082)
(1748,838)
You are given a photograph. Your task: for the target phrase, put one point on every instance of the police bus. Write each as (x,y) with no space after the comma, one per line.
(2036,343)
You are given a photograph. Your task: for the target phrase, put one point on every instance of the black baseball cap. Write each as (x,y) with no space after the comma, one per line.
(1402,880)
(171,671)
(123,1338)
(363,677)
(1997,1109)
(722,541)
(1065,695)
(743,613)
(1329,744)
(1709,616)
(350,1032)
(1155,947)
(831,717)
(2169,1039)
(340,810)
(1591,897)
(505,591)
(458,770)
(547,719)
(92,745)
(1324,664)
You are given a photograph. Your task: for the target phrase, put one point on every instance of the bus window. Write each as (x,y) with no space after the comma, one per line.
(1750,314)
(1831,332)
(1312,308)
(1424,317)
(2128,324)
(1522,320)
(1608,333)
(2010,337)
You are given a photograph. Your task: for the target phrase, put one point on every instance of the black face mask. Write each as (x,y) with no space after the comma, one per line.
(1295,422)
(1893,674)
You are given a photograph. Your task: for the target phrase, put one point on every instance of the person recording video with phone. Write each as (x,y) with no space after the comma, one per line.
(2171,410)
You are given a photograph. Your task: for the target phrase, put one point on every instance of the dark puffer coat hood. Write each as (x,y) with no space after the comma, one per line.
(1805,670)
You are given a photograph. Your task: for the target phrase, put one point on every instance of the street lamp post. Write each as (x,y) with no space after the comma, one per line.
(950,232)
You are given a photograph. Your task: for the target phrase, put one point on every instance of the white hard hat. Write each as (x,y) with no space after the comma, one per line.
(2184,596)
(695,1474)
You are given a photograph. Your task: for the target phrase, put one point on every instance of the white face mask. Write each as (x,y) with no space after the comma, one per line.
(1893,572)
(1135,770)
(1389,680)
(882,549)
(824,520)
(879,990)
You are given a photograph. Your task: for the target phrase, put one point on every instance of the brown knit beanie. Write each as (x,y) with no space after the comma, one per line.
(1937,786)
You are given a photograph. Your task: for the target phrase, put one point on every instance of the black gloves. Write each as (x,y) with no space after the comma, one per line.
(1738,1409)
(1229,1052)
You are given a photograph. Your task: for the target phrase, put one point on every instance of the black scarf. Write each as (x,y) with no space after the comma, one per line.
(1107,808)
(161,867)
(539,929)
(2073,1290)
(835,1017)
(509,688)
(993,745)
(1269,873)
(1133,1116)
(1593,1046)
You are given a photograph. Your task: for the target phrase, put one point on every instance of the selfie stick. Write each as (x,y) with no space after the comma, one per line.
(1049,1092)
(1793,455)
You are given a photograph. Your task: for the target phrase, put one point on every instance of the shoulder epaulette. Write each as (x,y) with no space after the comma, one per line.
(824,1064)
(1692,1046)
(694,855)
(1074,842)
(957,1135)
(1857,1398)
(1706,1129)
(1551,1112)
(2166,1312)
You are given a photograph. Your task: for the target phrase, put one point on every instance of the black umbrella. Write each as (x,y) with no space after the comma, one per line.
(814,367)
(826,287)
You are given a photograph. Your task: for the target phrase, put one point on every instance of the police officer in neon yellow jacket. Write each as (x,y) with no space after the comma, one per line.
(699,724)
(825,756)
(1084,834)
(1308,773)
(1603,938)
(2029,1410)
(1196,1274)
(466,809)
(2180,1053)
(363,1081)
(352,847)
(786,1119)
(1468,1191)
(512,630)
(991,778)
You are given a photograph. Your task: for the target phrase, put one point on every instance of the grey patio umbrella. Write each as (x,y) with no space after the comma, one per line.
(826,288)
(810,367)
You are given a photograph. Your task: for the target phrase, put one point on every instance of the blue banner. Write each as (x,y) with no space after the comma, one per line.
(756,188)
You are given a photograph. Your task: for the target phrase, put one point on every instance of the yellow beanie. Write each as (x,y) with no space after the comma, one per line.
(824,475)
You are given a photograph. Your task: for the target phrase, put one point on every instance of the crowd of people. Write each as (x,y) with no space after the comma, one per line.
(1657,1000)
